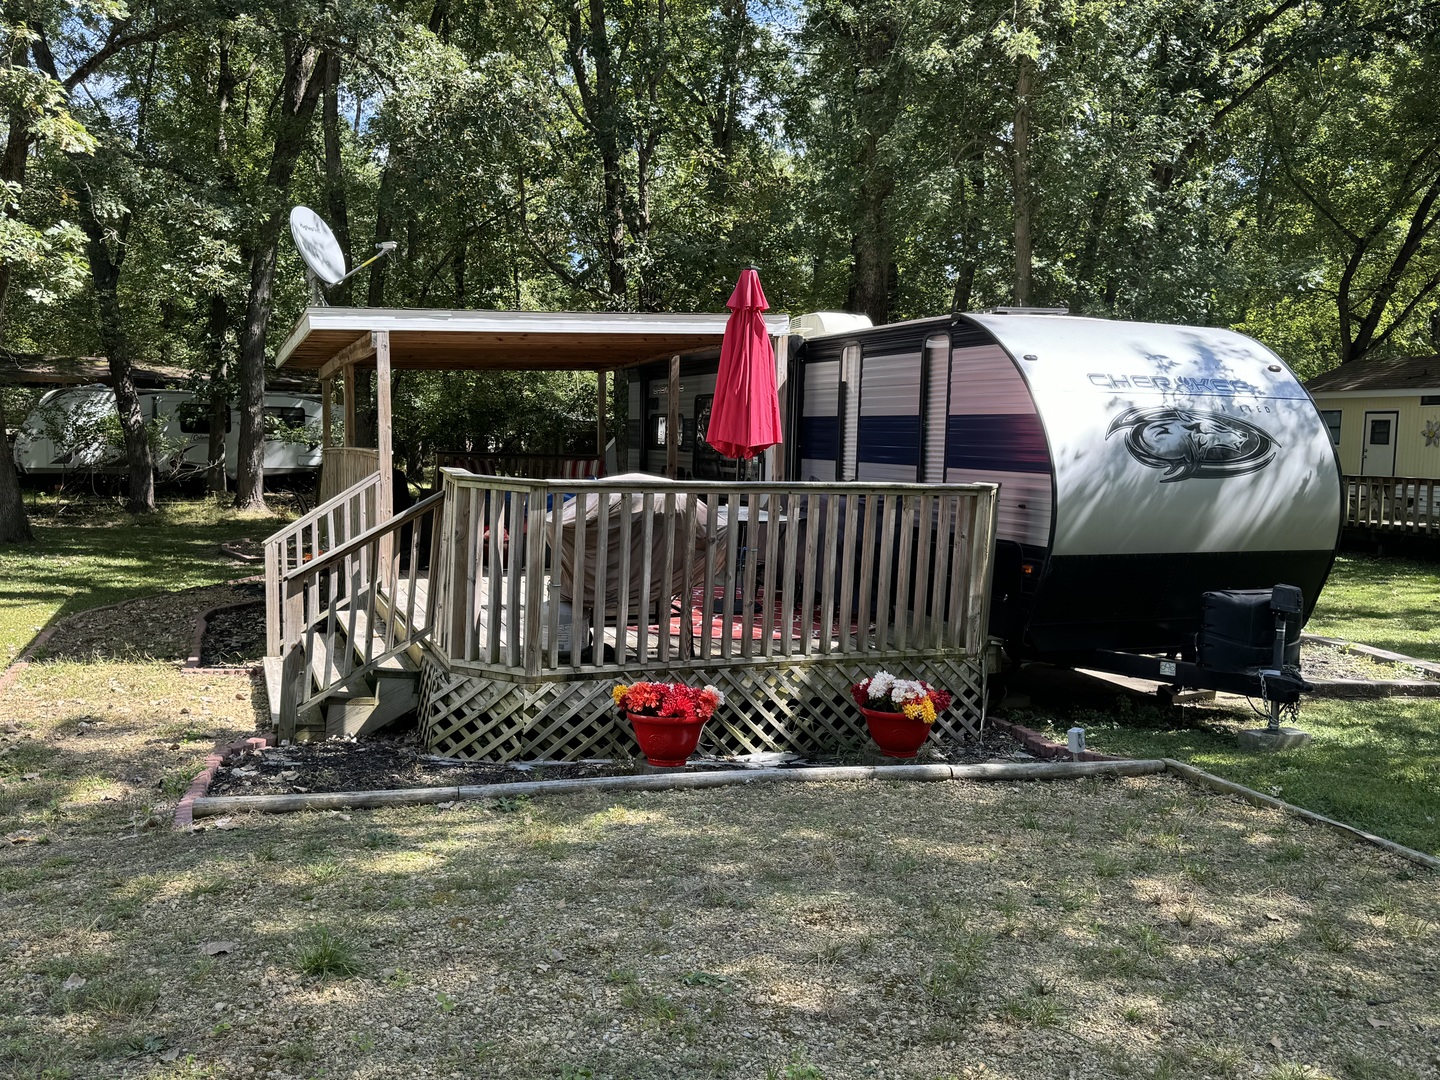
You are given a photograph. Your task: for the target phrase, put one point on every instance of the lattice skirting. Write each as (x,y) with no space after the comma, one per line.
(803,707)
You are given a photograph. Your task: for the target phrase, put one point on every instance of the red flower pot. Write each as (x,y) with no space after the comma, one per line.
(666,740)
(895,733)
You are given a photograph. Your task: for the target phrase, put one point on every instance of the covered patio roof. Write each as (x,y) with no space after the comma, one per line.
(511,340)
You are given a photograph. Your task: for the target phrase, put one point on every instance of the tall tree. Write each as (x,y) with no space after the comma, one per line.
(305,63)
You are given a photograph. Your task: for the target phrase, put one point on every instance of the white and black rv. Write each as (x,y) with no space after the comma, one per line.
(1146,473)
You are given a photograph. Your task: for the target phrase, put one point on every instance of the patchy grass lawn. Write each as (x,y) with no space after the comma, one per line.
(1098,929)
(1373,764)
(95,554)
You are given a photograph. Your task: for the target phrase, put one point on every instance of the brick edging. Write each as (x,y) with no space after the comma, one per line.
(185,808)
(1041,747)
(197,641)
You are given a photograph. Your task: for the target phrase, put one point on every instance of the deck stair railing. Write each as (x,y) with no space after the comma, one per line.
(351,615)
(643,577)
(324,528)
(1403,504)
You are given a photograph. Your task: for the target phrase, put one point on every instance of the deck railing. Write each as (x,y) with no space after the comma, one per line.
(560,577)
(353,608)
(343,467)
(1404,504)
(529,466)
(328,526)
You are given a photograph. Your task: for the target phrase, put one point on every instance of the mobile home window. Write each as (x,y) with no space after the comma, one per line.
(1332,421)
(1430,399)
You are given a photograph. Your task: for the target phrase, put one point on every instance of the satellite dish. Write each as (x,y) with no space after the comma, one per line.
(317,245)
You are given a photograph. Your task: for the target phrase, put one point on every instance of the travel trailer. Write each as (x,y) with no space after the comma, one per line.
(70,433)
(1141,467)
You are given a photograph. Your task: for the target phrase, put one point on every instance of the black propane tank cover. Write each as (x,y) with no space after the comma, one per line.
(1287,599)
(1237,630)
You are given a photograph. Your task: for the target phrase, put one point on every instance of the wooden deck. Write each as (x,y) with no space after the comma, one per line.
(1392,506)
(538,596)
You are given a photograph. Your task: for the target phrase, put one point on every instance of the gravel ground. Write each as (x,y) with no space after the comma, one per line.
(1329,662)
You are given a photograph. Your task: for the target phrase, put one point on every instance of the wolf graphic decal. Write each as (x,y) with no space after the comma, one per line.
(1192,444)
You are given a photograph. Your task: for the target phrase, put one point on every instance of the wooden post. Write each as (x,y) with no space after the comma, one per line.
(350,405)
(600,439)
(385,492)
(672,421)
(326,393)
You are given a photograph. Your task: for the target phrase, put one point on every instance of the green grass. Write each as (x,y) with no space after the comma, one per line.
(94,554)
(1388,603)
(1372,764)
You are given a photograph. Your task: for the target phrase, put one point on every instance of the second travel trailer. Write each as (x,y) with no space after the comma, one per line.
(70,433)
(1158,482)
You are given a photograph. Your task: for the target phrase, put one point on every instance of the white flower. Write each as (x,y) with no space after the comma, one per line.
(719,694)
(906,690)
(880,685)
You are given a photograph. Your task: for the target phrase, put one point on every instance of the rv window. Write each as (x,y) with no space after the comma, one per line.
(1332,421)
(289,415)
(194,417)
(657,431)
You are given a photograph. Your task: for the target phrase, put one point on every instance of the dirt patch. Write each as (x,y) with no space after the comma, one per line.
(1321,661)
(377,764)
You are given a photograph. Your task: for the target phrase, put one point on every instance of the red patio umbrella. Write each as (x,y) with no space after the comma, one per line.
(745,416)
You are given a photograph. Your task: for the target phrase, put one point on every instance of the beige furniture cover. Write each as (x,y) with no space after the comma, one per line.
(708,545)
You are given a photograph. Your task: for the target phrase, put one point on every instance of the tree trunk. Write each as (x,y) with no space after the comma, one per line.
(304,68)
(384,227)
(219,395)
(14,528)
(870,275)
(335,175)
(1021,168)
(105,273)
(219,319)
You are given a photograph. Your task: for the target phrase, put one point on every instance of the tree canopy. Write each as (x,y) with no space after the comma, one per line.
(1266,164)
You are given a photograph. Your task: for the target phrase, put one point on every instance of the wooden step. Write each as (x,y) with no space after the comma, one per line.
(362,714)
(400,663)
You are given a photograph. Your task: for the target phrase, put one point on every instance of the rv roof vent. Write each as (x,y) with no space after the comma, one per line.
(1030,311)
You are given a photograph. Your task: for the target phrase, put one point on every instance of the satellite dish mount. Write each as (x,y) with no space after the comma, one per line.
(320,251)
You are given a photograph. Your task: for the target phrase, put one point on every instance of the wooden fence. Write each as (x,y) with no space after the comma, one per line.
(1399,504)
(345,466)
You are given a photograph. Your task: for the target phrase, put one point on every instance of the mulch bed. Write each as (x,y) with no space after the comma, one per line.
(378,764)
(235,637)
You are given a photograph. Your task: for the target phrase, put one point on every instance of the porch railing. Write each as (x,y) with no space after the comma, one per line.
(528,466)
(328,526)
(559,577)
(343,467)
(356,607)
(1392,504)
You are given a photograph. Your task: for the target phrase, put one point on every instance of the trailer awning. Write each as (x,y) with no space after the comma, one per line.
(507,340)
